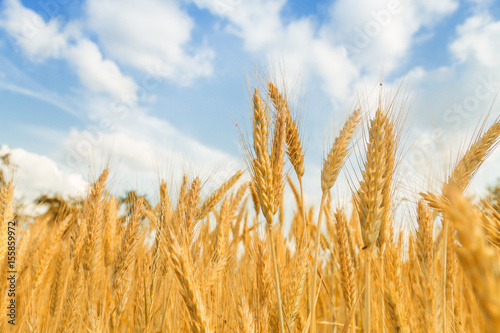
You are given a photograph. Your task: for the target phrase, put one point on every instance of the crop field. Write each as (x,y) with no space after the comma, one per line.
(232,260)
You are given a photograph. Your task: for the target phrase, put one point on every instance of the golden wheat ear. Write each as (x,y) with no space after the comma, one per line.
(371,209)
(188,289)
(490,219)
(479,260)
(216,196)
(293,144)
(337,154)
(124,266)
(347,270)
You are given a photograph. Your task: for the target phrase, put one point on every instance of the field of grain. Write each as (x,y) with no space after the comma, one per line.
(222,262)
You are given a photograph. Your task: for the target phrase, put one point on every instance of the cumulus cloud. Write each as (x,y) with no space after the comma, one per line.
(456,99)
(38,39)
(296,44)
(96,73)
(151,35)
(139,151)
(41,40)
(382,32)
(456,96)
(145,148)
(358,39)
(36,174)
(478,40)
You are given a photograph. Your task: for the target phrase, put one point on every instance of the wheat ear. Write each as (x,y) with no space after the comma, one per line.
(348,282)
(477,257)
(189,292)
(216,196)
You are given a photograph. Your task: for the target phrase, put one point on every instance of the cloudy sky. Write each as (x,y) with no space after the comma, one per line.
(154,88)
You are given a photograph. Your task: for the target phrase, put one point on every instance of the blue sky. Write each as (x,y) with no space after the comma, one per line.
(158,85)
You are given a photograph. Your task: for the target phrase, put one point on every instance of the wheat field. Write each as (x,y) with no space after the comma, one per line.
(226,262)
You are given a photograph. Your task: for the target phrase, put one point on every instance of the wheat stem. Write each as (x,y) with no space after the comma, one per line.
(276,276)
(315,269)
(368,290)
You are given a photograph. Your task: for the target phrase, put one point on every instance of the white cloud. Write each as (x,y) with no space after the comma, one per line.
(295,44)
(456,96)
(146,148)
(36,174)
(453,101)
(140,151)
(359,40)
(479,40)
(96,73)
(42,40)
(379,34)
(38,39)
(151,35)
